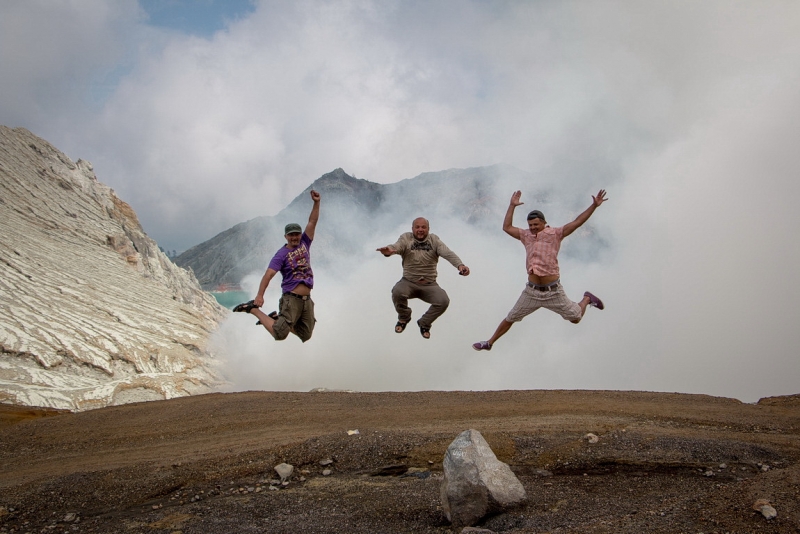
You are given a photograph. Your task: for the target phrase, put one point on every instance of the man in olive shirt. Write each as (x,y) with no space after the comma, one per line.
(420,251)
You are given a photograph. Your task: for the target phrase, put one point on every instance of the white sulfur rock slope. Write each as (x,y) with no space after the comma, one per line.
(91,312)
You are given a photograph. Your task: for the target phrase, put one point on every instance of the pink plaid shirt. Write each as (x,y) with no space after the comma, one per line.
(542,250)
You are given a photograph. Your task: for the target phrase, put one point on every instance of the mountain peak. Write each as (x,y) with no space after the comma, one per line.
(340,186)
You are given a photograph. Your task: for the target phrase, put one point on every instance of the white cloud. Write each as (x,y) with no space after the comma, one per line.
(686,112)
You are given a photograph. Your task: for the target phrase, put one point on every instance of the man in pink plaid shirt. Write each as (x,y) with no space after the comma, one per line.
(543,289)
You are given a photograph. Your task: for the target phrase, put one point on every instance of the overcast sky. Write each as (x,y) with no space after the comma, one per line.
(208,113)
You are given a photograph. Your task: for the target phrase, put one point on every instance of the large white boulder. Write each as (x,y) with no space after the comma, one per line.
(476,483)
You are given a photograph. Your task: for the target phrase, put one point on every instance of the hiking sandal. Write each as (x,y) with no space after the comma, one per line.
(425,331)
(245,306)
(272,315)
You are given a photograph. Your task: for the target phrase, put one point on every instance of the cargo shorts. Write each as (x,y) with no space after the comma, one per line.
(295,314)
(554,298)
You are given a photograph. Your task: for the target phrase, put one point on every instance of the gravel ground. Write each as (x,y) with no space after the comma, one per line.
(663,463)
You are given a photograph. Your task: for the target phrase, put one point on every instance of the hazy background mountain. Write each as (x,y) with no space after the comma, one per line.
(356,211)
(92,313)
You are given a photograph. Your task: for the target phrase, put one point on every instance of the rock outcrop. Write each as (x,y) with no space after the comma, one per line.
(92,313)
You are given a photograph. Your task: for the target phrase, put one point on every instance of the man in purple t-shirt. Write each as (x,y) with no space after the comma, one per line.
(293,260)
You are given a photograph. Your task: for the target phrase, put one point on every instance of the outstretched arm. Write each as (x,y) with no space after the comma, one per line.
(314,216)
(398,247)
(508,221)
(583,217)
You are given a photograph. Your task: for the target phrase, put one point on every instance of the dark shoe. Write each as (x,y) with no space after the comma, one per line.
(399,327)
(594,301)
(245,306)
(482,345)
(273,315)
(425,331)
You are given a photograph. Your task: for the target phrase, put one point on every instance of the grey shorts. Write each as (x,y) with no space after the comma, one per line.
(554,299)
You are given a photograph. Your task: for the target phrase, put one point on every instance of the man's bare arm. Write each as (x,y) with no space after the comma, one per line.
(311,227)
(262,287)
(583,217)
(508,221)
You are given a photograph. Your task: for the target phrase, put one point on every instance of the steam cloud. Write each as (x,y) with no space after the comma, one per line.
(686,112)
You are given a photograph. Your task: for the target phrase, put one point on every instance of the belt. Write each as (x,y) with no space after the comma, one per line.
(295,295)
(548,287)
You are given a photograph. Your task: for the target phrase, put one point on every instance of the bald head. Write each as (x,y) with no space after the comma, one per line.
(420,228)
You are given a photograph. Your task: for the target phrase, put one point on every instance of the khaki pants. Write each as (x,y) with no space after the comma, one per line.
(295,315)
(430,293)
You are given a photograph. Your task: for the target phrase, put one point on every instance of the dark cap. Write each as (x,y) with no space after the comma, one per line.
(292,228)
(536,214)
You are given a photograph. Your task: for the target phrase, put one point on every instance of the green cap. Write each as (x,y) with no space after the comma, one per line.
(292,228)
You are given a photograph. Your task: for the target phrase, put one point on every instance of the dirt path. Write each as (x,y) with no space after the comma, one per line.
(663,462)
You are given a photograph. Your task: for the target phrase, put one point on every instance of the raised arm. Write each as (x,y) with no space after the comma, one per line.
(583,217)
(508,221)
(314,216)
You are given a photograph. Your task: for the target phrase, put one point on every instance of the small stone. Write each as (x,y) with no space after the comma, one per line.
(591,438)
(326,461)
(70,517)
(284,471)
(326,472)
(723,466)
(765,468)
(763,506)
(759,503)
(769,512)
(352,432)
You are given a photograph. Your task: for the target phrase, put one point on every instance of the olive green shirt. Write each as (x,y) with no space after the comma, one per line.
(420,257)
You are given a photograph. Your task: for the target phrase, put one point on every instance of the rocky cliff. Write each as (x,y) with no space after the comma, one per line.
(91,312)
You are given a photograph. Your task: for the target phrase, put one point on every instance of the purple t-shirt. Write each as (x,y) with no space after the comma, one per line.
(294,264)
